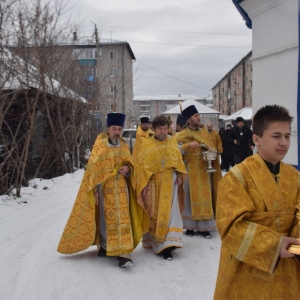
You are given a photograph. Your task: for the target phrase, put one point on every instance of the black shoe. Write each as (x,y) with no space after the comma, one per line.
(205,234)
(167,253)
(101,252)
(189,232)
(124,262)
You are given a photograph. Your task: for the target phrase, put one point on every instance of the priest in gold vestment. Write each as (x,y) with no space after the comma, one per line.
(256,217)
(106,212)
(200,188)
(143,131)
(159,175)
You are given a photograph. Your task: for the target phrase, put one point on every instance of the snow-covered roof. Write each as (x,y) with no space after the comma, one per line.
(245,113)
(202,109)
(177,97)
(23,76)
(222,117)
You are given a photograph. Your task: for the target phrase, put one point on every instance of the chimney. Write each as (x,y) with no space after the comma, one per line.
(74,36)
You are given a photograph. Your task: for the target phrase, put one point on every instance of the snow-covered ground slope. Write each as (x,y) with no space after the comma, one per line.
(31,268)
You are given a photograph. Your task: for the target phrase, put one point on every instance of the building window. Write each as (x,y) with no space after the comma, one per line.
(113,89)
(87,53)
(113,72)
(112,55)
(92,72)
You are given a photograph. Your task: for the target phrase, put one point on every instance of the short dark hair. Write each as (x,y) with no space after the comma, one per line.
(269,114)
(228,125)
(160,121)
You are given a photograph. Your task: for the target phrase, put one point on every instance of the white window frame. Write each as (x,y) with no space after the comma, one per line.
(113,72)
(112,54)
(113,89)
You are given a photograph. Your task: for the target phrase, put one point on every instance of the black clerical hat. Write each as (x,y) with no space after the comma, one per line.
(144,120)
(115,119)
(189,111)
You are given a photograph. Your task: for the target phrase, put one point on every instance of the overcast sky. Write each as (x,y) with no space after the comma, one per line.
(181,47)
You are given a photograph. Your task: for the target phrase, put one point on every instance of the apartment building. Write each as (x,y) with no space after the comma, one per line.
(234,91)
(152,106)
(107,69)
(100,72)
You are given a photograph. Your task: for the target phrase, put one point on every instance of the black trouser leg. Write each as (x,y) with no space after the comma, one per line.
(237,159)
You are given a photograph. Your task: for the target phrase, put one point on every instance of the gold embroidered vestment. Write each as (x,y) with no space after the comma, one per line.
(254,214)
(149,170)
(140,135)
(202,197)
(123,216)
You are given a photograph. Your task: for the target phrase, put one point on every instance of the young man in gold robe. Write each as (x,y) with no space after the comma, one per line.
(105,212)
(159,173)
(143,131)
(200,188)
(256,217)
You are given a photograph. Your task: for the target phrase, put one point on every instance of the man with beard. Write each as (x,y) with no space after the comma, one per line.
(159,175)
(105,212)
(200,189)
(142,131)
(227,155)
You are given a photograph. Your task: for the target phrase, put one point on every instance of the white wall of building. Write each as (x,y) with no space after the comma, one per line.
(275,58)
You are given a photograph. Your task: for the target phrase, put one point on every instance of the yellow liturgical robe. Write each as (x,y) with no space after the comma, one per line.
(156,162)
(202,197)
(216,139)
(123,222)
(140,134)
(254,214)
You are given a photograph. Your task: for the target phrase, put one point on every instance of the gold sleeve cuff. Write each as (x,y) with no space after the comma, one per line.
(185,146)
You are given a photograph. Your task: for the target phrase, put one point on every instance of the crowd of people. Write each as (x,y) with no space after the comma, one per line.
(163,190)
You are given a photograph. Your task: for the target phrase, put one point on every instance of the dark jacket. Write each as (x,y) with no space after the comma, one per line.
(226,142)
(244,138)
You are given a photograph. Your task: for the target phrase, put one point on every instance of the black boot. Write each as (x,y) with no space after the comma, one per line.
(124,262)
(167,253)
(189,232)
(101,252)
(205,234)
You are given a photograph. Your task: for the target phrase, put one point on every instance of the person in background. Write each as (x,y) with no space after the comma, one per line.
(257,204)
(142,131)
(227,155)
(215,137)
(180,123)
(241,140)
(200,187)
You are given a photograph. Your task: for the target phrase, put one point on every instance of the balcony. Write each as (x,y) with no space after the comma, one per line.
(90,78)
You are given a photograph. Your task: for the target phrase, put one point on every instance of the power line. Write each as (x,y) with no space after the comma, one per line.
(173,77)
(171,31)
(188,62)
(188,45)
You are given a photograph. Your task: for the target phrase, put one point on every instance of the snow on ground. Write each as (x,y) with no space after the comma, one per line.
(31,268)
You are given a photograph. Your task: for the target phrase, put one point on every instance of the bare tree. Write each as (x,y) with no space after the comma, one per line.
(44,125)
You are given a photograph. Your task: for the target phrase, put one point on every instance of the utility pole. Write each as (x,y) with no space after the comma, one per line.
(98,98)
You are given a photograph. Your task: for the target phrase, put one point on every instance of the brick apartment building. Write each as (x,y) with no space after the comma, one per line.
(100,72)
(234,91)
(152,106)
